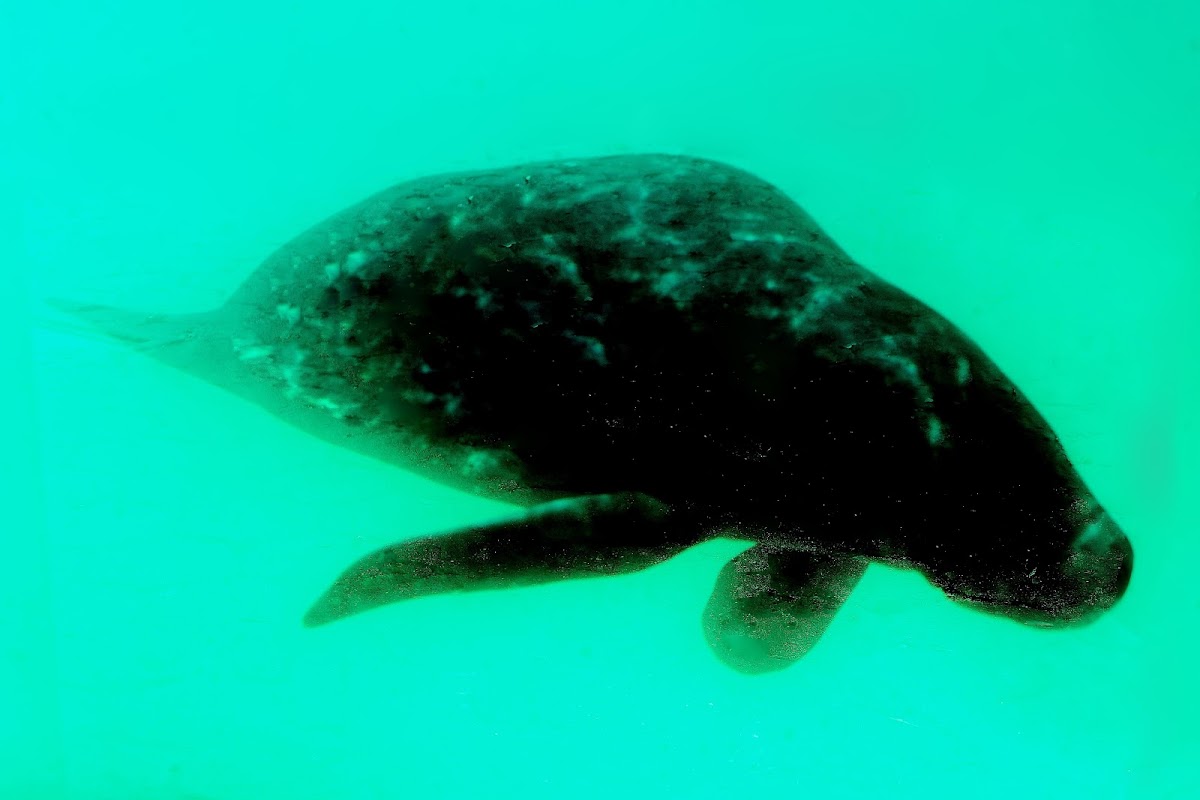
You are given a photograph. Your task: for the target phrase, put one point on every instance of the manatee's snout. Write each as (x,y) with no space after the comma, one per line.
(1099,566)
(1087,577)
(1090,579)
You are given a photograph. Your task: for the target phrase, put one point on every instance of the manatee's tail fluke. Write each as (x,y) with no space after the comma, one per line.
(134,328)
(165,337)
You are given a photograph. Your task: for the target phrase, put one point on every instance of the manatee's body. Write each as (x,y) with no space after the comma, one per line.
(649,351)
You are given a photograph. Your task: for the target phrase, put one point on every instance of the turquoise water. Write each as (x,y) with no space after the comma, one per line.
(1030,171)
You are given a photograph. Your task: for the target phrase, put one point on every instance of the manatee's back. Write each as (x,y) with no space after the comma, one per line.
(571,311)
(634,206)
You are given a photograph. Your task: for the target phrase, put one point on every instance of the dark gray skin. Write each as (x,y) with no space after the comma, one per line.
(648,352)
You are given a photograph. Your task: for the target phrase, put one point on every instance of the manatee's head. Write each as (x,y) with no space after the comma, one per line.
(1011,528)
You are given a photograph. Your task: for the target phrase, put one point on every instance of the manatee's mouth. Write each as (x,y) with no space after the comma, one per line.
(1055,615)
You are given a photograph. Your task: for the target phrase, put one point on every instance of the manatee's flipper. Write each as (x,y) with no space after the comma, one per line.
(574,538)
(770,606)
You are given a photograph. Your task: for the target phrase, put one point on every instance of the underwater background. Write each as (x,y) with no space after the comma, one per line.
(1030,169)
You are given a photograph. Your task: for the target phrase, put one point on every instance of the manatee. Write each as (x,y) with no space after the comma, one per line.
(643,353)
